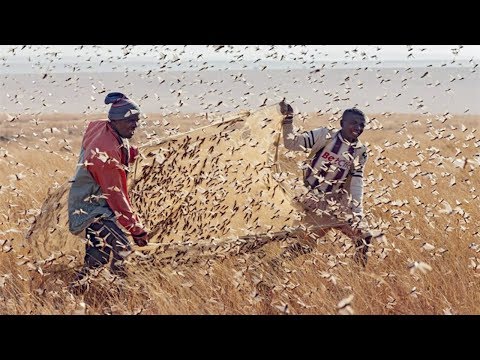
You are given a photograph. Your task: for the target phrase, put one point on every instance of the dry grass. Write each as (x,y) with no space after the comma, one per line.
(409,178)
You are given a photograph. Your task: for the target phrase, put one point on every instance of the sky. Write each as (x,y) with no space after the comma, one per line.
(443,77)
(250,52)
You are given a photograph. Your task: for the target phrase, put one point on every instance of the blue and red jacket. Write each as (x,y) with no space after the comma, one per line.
(99,188)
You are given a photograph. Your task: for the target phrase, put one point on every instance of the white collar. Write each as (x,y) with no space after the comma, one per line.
(356,143)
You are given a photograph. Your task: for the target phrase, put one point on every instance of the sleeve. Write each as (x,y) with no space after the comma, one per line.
(356,184)
(108,172)
(303,141)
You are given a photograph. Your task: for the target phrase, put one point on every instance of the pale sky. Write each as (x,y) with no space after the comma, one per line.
(253,52)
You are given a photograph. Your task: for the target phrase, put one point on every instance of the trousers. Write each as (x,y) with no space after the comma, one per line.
(332,210)
(104,237)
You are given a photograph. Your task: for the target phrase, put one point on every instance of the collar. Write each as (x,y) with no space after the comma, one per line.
(356,143)
(121,141)
(114,132)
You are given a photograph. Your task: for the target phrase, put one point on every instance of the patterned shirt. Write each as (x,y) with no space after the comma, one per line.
(335,160)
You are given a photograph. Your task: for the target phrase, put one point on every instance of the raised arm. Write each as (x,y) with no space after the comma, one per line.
(291,140)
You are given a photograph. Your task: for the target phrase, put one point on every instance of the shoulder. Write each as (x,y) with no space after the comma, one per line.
(360,146)
(99,136)
(96,128)
(362,151)
(323,132)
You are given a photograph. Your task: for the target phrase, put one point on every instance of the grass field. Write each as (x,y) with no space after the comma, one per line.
(421,189)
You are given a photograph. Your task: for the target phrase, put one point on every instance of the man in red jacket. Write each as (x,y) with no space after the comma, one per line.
(98,202)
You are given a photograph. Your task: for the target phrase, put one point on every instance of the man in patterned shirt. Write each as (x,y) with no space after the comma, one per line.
(333,178)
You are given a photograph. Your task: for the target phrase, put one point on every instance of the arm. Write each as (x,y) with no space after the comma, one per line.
(107,171)
(292,140)
(356,184)
(313,139)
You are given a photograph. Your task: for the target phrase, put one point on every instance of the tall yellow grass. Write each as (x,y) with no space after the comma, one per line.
(426,202)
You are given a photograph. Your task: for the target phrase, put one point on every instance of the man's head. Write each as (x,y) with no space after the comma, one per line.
(352,123)
(124,114)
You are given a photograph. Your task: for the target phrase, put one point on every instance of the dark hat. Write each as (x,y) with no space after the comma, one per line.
(122,107)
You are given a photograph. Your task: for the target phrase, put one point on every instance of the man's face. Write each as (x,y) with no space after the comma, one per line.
(352,126)
(126,127)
